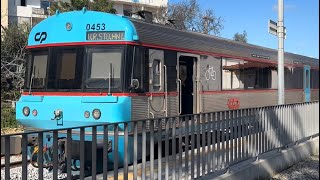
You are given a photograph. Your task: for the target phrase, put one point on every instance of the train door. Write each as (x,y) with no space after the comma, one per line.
(188,88)
(157,101)
(306,83)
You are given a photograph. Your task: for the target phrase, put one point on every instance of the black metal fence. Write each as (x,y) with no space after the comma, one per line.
(183,147)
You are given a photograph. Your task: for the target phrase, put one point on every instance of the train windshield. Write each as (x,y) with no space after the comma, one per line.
(75,69)
(37,70)
(103,68)
(65,68)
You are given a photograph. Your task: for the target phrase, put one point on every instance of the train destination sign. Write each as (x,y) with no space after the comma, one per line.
(105,35)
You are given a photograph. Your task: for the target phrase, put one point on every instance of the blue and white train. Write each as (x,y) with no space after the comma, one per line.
(86,68)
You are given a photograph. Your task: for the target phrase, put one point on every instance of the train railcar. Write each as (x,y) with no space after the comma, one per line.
(86,67)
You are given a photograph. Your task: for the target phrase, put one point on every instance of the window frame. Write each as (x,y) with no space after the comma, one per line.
(29,66)
(87,66)
(79,50)
(257,71)
(138,68)
(156,74)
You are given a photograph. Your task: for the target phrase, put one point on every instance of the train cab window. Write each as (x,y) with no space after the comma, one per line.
(104,65)
(65,69)
(37,71)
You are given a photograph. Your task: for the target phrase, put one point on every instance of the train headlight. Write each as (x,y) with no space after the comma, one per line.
(26,111)
(96,113)
(34,112)
(86,114)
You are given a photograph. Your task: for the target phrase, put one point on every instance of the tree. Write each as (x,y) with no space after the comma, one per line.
(187,15)
(13,56)
(241,37)
(95,5)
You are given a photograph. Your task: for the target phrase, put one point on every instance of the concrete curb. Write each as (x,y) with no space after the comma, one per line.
(271,164)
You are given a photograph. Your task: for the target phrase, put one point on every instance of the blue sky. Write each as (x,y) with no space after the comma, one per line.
(301,19)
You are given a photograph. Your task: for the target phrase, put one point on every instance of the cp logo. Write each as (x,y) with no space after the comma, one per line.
(40,36)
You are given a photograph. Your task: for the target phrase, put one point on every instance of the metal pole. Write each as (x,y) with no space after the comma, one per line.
(280,53)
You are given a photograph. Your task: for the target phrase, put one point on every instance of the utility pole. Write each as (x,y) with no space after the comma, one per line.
(280,53)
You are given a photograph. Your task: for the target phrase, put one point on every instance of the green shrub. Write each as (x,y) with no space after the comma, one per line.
(8,118)
(12,95)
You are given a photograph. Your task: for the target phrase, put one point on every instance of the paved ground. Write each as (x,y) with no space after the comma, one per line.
(305,170)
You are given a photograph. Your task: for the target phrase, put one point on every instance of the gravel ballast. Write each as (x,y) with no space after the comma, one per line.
(16,172)
(306,170)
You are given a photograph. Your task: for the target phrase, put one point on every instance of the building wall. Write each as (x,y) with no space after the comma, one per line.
(30,12)
(4,13)
(15,8)
(156,3)
(33,3)
(32,8)
(124,6)
(118,8)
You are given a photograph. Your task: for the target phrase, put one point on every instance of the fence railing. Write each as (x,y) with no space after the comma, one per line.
(185,147)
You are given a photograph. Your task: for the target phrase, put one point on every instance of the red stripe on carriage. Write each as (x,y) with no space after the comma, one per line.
(97,94)
(247,91)
(82,44)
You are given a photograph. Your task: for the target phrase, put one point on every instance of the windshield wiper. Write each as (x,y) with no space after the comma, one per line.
(110,76)
(31,80)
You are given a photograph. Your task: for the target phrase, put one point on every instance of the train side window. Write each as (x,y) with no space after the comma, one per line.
(314,79)
(231,74)
(294,78)
(241,74)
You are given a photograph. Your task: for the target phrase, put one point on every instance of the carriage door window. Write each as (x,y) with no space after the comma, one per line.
(307,79)
(156,70)
(156,67)
(306,88)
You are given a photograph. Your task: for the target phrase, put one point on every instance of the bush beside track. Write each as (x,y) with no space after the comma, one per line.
(9,124)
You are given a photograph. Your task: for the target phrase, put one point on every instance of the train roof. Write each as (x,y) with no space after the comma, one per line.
(168,36)
(72,28)
(78,27)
